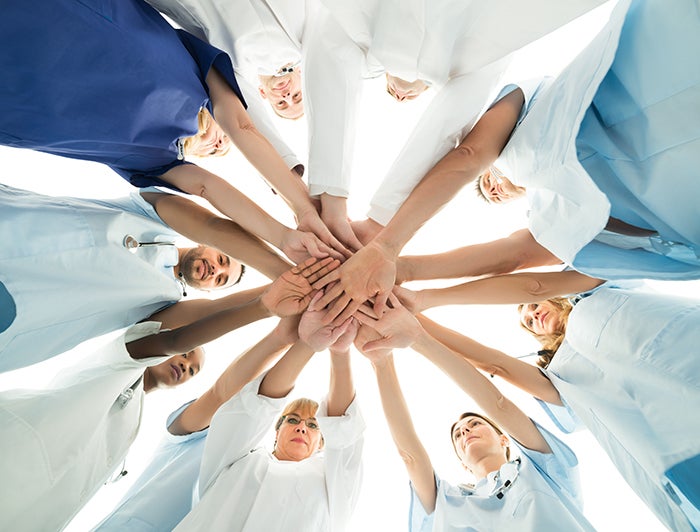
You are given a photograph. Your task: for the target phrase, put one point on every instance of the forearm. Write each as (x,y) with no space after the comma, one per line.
(403,432)
(204,227)
(525,376)
(515,252)
(514,288)
(186,338)
(341,390)
(280,380)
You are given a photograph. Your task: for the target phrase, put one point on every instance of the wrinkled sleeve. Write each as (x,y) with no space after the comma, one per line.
(444,124)
(236,429)
(333,74)
(418,519)
(344,440)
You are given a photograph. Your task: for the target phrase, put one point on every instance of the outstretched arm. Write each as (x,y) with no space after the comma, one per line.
(245,368)
(517,251)
(371,272)
(235,121)
(514,288)
(398,417)
(204,227)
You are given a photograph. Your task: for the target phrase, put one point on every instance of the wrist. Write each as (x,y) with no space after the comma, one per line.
(333,207)
(404,270)
(380,364)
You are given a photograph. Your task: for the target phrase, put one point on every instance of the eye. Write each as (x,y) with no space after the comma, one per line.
(297,97)
(184,355)
(312,425)
(529,323)
(191,372)
(457,435)
(293,420)
(221,259)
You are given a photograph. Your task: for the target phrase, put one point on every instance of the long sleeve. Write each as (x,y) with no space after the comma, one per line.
(332,77)
(447,120)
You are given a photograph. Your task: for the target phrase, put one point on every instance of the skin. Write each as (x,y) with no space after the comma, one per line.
(284,94)
(207,268)
(175,371)
(297,442)
(479,447)
(541,318)
(499,192)
(403,90)
(212,142)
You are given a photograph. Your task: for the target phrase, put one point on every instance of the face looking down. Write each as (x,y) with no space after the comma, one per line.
(207,268)
(298,437)
(497,188)
(542,318)
(284,94)
(177,369)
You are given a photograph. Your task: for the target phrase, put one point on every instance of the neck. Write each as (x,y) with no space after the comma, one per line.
(149,383)
(180,253)
(487,465)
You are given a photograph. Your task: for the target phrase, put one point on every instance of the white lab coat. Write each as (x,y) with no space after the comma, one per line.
(460,47)
(70,275)
(260,36)
(60,444)
(163,493)
(244,488)
(546,495)
(629,370)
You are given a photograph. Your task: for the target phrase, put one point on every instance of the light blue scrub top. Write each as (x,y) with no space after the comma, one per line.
(69,274)
(546,495)
(163,493)
(629,370)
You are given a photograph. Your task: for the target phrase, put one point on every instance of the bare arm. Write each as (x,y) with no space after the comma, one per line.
(516,252)
(240,372)
(371,272)
(514,288)
(341,391)
(525,376)
(235,121)
(280,380)
(204,227)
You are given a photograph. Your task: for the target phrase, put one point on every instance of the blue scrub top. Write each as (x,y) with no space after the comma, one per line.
(108,81)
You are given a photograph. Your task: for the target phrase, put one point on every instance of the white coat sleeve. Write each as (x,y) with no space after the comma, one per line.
(236,429)
(332,78)
(444,124)
(261,118)
(343,437)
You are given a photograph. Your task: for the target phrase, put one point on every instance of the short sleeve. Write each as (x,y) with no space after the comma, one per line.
(418,519)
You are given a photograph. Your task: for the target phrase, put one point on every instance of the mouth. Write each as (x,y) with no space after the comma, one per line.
(281,87)
(177,372)
(543,319)
(298,440)
(204,269)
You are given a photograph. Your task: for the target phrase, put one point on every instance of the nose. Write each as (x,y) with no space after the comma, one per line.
(301,428)
(185,368)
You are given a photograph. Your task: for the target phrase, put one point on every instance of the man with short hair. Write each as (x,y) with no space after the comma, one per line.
(80,268)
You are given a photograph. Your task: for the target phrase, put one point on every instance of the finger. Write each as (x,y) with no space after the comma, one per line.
(315,247)
(308,263)
(327,265)
(314,301)
(380,303)
(340,330)
(337,308)
(330,294)
(395,303)
(328,278)
(367,311)
(347,313)
(337,245)
(365,320)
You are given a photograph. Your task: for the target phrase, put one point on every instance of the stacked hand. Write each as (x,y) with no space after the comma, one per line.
(300,245)
(319,336)
(397,327)
(311,222)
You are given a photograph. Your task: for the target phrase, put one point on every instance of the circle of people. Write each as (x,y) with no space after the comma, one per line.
(606,154)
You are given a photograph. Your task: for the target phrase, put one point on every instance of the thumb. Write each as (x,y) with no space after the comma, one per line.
(374,345)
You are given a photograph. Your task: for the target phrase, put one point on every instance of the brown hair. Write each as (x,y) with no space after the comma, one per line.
(551,342)
(480,416)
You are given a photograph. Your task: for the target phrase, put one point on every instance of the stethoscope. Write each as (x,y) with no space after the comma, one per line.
(131,243)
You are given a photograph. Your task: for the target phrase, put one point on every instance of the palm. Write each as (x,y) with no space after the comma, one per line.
(315,334)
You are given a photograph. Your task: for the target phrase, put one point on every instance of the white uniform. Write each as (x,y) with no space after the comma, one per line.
(451,44)
(245,488)
(70,275)
(260,36)
(60,444)
(629,370)
(544,496)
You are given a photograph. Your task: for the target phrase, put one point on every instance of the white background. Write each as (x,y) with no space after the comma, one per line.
(434,401)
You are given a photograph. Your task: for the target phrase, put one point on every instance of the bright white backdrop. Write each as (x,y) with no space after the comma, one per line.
(434,400)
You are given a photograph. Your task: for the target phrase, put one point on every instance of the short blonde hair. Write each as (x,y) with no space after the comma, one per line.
(303,406)
(551,342)
(204,122)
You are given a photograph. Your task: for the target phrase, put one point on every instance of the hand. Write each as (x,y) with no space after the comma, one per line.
(299,246)
(366,230)
(334,214)
(366,335)
(287,329)
(291,292)
(343,343)
(397,327)
(370,273)
(412,300)
(311,222)
(312,330)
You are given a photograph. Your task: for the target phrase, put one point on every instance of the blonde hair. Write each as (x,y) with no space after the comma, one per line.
(303,406)
(204,122)
(551,342)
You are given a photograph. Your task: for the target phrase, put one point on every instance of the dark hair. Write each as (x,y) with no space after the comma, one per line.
(240,276)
